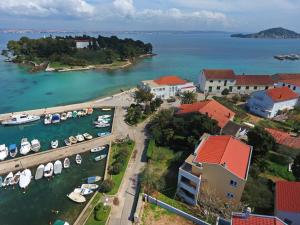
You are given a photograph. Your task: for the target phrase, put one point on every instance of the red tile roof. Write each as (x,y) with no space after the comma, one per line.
(254,80)
(284,138)
(281,94)
(170,80)
(252,219)
(212,108)
(284,76)
(295,82)
(225,150)
(219,74)
(287,196)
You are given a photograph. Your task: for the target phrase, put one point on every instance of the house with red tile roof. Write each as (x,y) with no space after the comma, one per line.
(284,138)
(219,164)
(291,81)
(287,201)
(167,86)
(83,43)
(269,102)
(246,84)
(212,109)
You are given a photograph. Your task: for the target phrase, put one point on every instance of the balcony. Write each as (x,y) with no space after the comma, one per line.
(186,198)
(188,187)
(186,171)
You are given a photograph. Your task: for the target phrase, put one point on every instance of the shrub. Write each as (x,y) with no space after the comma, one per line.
(235,98)
(225,92)
(115,168)
(106,186)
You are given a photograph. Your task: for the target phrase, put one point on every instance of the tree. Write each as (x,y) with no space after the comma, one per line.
(151,179)
(106,186)
(296,167)
(225,92)
(188,97)
(262,142)
(143,96)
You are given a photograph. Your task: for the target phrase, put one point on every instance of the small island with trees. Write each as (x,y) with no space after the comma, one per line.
(273,33)
(76,53)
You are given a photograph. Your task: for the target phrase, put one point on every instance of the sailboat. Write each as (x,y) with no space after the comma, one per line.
(39,172)
(3,152)
(7,179)
(25,146)
(13,150)
(78,159)
(66,163)
(25,178)
(15,179)
(57,167)
(48,170)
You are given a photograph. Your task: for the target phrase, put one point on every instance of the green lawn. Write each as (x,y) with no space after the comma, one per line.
(58,65)
(115,149)
(101,220)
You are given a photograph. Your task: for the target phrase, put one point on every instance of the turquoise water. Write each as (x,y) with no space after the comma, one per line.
(35,206)
(185,54)
(46,133)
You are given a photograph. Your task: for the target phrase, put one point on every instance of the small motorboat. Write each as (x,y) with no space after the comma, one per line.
(0,181)
(76,197)
(7,179)
(3,152)
(57,167)
(106,109)
(66,163)
(35,145)
(83,191)
(103,134)
(25,146)
(64,116)
(25,178)
(90,186)
(87,136)
(55,118)
(54,144)
(79,113)
(84,112)
(98,149)
(48,170)
(100,157)
(79,137)
(13,150)
(90,111)
(60,222)
(69,115)
(39,172)
(78,159)
(101,125)
(20,119)
(93,179)
(67,142)
(15,180)
(104,117)
(73,140)
(48,119)
(74,114)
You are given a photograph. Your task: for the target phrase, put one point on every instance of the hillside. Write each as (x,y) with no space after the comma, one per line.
(273,33)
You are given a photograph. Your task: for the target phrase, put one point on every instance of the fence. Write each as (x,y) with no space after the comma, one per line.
(174,210)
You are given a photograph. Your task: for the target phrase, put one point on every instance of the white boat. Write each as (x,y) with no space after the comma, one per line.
(83,191)
(100,157)
(54,144)
(60,222)
(25,146)
(90,111)
(55,118)
(0,181)
(104,116)
(79,138)
(64,116)
(3,152)
(48,119)
(13,150)
(35,145)
(20,119)
(106,109)
(73,140)
(98,149)
(15,180)
(94,179)
(78,159)
(74,114)
(66,163)
(57,167)
(100,125)
(7,179)
(69,114)
(87,136)
(90,186)
(25,178)
(103,134)
(39,172)
(67,142)
(48,170)
(76,197)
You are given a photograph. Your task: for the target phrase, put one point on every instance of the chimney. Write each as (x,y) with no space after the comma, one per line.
(224,164)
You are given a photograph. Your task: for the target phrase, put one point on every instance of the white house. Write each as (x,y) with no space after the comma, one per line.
(287,202)
(167,86)
(246,84)
(267,103)
(82,43)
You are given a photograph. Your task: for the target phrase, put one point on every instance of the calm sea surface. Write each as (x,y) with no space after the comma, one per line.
(185,54)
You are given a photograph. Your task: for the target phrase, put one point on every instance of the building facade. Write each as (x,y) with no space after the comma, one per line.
(268,103)
(167,86)
(246,84)
(219,166)
(82,43)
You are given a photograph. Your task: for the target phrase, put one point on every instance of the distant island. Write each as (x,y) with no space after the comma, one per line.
(273,33)
(76,53)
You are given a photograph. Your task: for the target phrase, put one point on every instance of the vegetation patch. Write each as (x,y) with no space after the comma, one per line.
(100,215)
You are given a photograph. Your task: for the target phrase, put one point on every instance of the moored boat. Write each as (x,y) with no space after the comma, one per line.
(106,109)
(0,181)
(57,167)
(90,111)
(55,118)
(39,173)
(74,114)
(87,136)
(78,159)
(64,116)
(60,222)
(20,119)
(54,144)
(67,142)
(48,119)
(48,170)
(13,150)
(90,186)
(66,163)
(3,152)
(83,191)
(7,179)
(79,138)
(15,179)
(35,145)
(73,140)
(101,125)
(103,134)
(98,149)
(25,178)
(25,146)
(69,114)
(100,157)
(76,197)
(93,179)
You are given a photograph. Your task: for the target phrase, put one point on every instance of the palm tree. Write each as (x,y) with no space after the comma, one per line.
(188,97)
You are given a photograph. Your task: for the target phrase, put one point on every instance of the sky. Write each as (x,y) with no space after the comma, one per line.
(126,15)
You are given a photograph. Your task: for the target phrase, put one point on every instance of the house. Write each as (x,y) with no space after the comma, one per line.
(212,109)
(267,103)
(291,81)
(284,138)
(219,164)
(215,81)
(287,202)
(82,43)
(167,86)
(246,84)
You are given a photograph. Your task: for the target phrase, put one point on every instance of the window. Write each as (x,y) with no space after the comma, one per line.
(289,85)
(219,81)
(267,87)
(211,81)
(210,89)
(239,87)
(255,87)
(283,84)
(294,88)
(218,87)
(230,88)
(230,195)
(287,221)
(233,183)
(247,87)
(225,83)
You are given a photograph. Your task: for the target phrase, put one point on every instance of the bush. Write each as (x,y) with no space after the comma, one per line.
(100,212)
(106,186)
(115,168)
(225,92)
(235,98)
